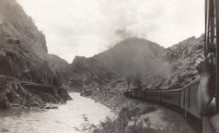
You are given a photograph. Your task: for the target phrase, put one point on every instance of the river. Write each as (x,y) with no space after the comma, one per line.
(69,118)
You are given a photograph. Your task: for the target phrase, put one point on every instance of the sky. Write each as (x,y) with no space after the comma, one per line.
(88,27)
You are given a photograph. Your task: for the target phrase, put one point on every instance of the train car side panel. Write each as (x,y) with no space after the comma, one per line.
(140,94)
(182,99)
(193,101)
(153,95)
(171,97)
(186,95)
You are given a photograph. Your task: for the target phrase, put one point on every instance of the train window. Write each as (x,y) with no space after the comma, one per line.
(189,99)
(184,101)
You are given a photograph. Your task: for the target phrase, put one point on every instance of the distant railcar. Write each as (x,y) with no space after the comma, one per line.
(171,97)
(140,94)
(153,95)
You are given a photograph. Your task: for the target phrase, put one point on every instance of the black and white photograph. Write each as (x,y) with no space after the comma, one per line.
(109,66)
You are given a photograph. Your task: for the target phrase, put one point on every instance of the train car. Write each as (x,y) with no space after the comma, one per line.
(141,94)
(153,95)
(185,98)
(189,98)
(171,97)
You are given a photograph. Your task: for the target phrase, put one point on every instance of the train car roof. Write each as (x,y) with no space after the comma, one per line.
(194,82)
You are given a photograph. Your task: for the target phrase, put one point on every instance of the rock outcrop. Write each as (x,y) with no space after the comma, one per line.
(182,57)
(23,50)
(89,73)
(125,60)
(142,63)
(60,66)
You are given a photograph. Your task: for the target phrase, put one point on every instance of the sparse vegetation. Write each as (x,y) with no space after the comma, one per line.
(127,122)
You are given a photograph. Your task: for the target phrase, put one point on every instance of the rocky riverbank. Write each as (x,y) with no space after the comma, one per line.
(136,116)
(14,93)
(139,64)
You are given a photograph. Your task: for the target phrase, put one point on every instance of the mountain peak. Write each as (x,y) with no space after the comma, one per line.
(134,41)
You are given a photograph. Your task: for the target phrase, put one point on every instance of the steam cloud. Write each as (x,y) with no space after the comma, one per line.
(134,55)
(125,33)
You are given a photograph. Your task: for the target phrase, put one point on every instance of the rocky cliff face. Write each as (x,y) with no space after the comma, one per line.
(132,54)
(90,73)
(182,57)
(135,57)
(124,61)
(141,63)
(60,66)
(23,50)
